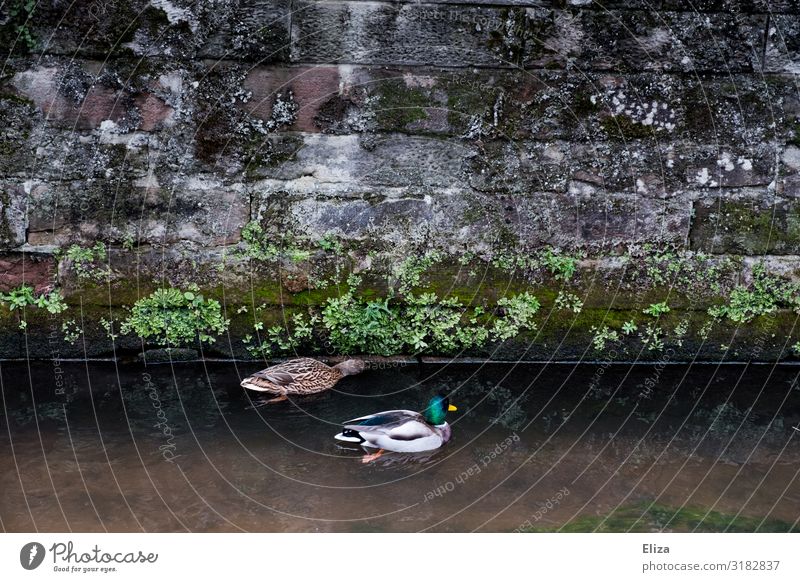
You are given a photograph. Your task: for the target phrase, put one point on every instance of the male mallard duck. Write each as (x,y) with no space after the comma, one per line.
(401,431)
(300,377)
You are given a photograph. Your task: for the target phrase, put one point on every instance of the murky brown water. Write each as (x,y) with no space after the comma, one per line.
(173,448)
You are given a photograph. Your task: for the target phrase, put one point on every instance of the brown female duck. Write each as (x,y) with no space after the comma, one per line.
(300,377)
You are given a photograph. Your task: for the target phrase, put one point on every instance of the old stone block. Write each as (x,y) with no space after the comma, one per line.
(13,204)
(586,215)
(789,182)
(750,221)
(351,165)
(76,101)
(714,166)
(33,269)
(643,40)
(418,34)
(480,104)
(18,119)
(200,209)
(100,28)
(253,30)
(310,87)
(783,45)
(728,6)
(454,219)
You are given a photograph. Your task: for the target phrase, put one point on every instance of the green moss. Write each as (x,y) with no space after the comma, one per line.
(439,303)
(646,517)
(400,105)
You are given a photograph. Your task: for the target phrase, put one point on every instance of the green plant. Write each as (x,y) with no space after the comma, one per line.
(603,335)
(128,242)
(279,338)
(408,273)
(330,244)
(20,14)
(85,261)
(361,326)
(652,337)
(764,295)
(24,296)
(657,309)
(71,331)
(259,245)
(171,317)
(297,255)
(569,301)
(562,267)
(686,269)
(518,313)
(680,331)
(108,326)
(507,261)
(420,323)
(629,327)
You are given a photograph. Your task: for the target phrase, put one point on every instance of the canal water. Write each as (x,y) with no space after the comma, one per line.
(102,446)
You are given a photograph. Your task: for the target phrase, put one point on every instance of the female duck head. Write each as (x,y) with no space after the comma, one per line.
(437,409)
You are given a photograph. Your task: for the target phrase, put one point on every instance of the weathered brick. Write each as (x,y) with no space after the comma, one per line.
(644,40)
(34,269)
(13,205)
(783,45)
(254,30)
(728,6)
(310,87)
(739,110)
(352,164)
(588,215)
(749,221)
(199,209)
(92,104)
(419,34)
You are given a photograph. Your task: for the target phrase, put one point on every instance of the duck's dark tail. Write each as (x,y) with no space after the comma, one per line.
(349,436)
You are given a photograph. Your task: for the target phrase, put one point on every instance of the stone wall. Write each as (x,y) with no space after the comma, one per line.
(162,128)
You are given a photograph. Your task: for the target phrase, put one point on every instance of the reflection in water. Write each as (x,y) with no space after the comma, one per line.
(172,448)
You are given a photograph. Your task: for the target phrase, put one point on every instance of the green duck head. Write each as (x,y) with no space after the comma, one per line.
(437,409)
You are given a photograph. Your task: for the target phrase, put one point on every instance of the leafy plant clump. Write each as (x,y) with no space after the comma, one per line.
(657,309)
(421,323)
(766,294)
(87,261)
(16,31)
(562,267)
(172,317)
(278,338)
(24,297)
(409,272)
(570,301)
(259,245)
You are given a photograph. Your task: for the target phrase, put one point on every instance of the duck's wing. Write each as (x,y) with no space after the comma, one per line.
(299,371)
(398,424)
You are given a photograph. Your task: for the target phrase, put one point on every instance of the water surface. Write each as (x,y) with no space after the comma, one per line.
(111,447)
